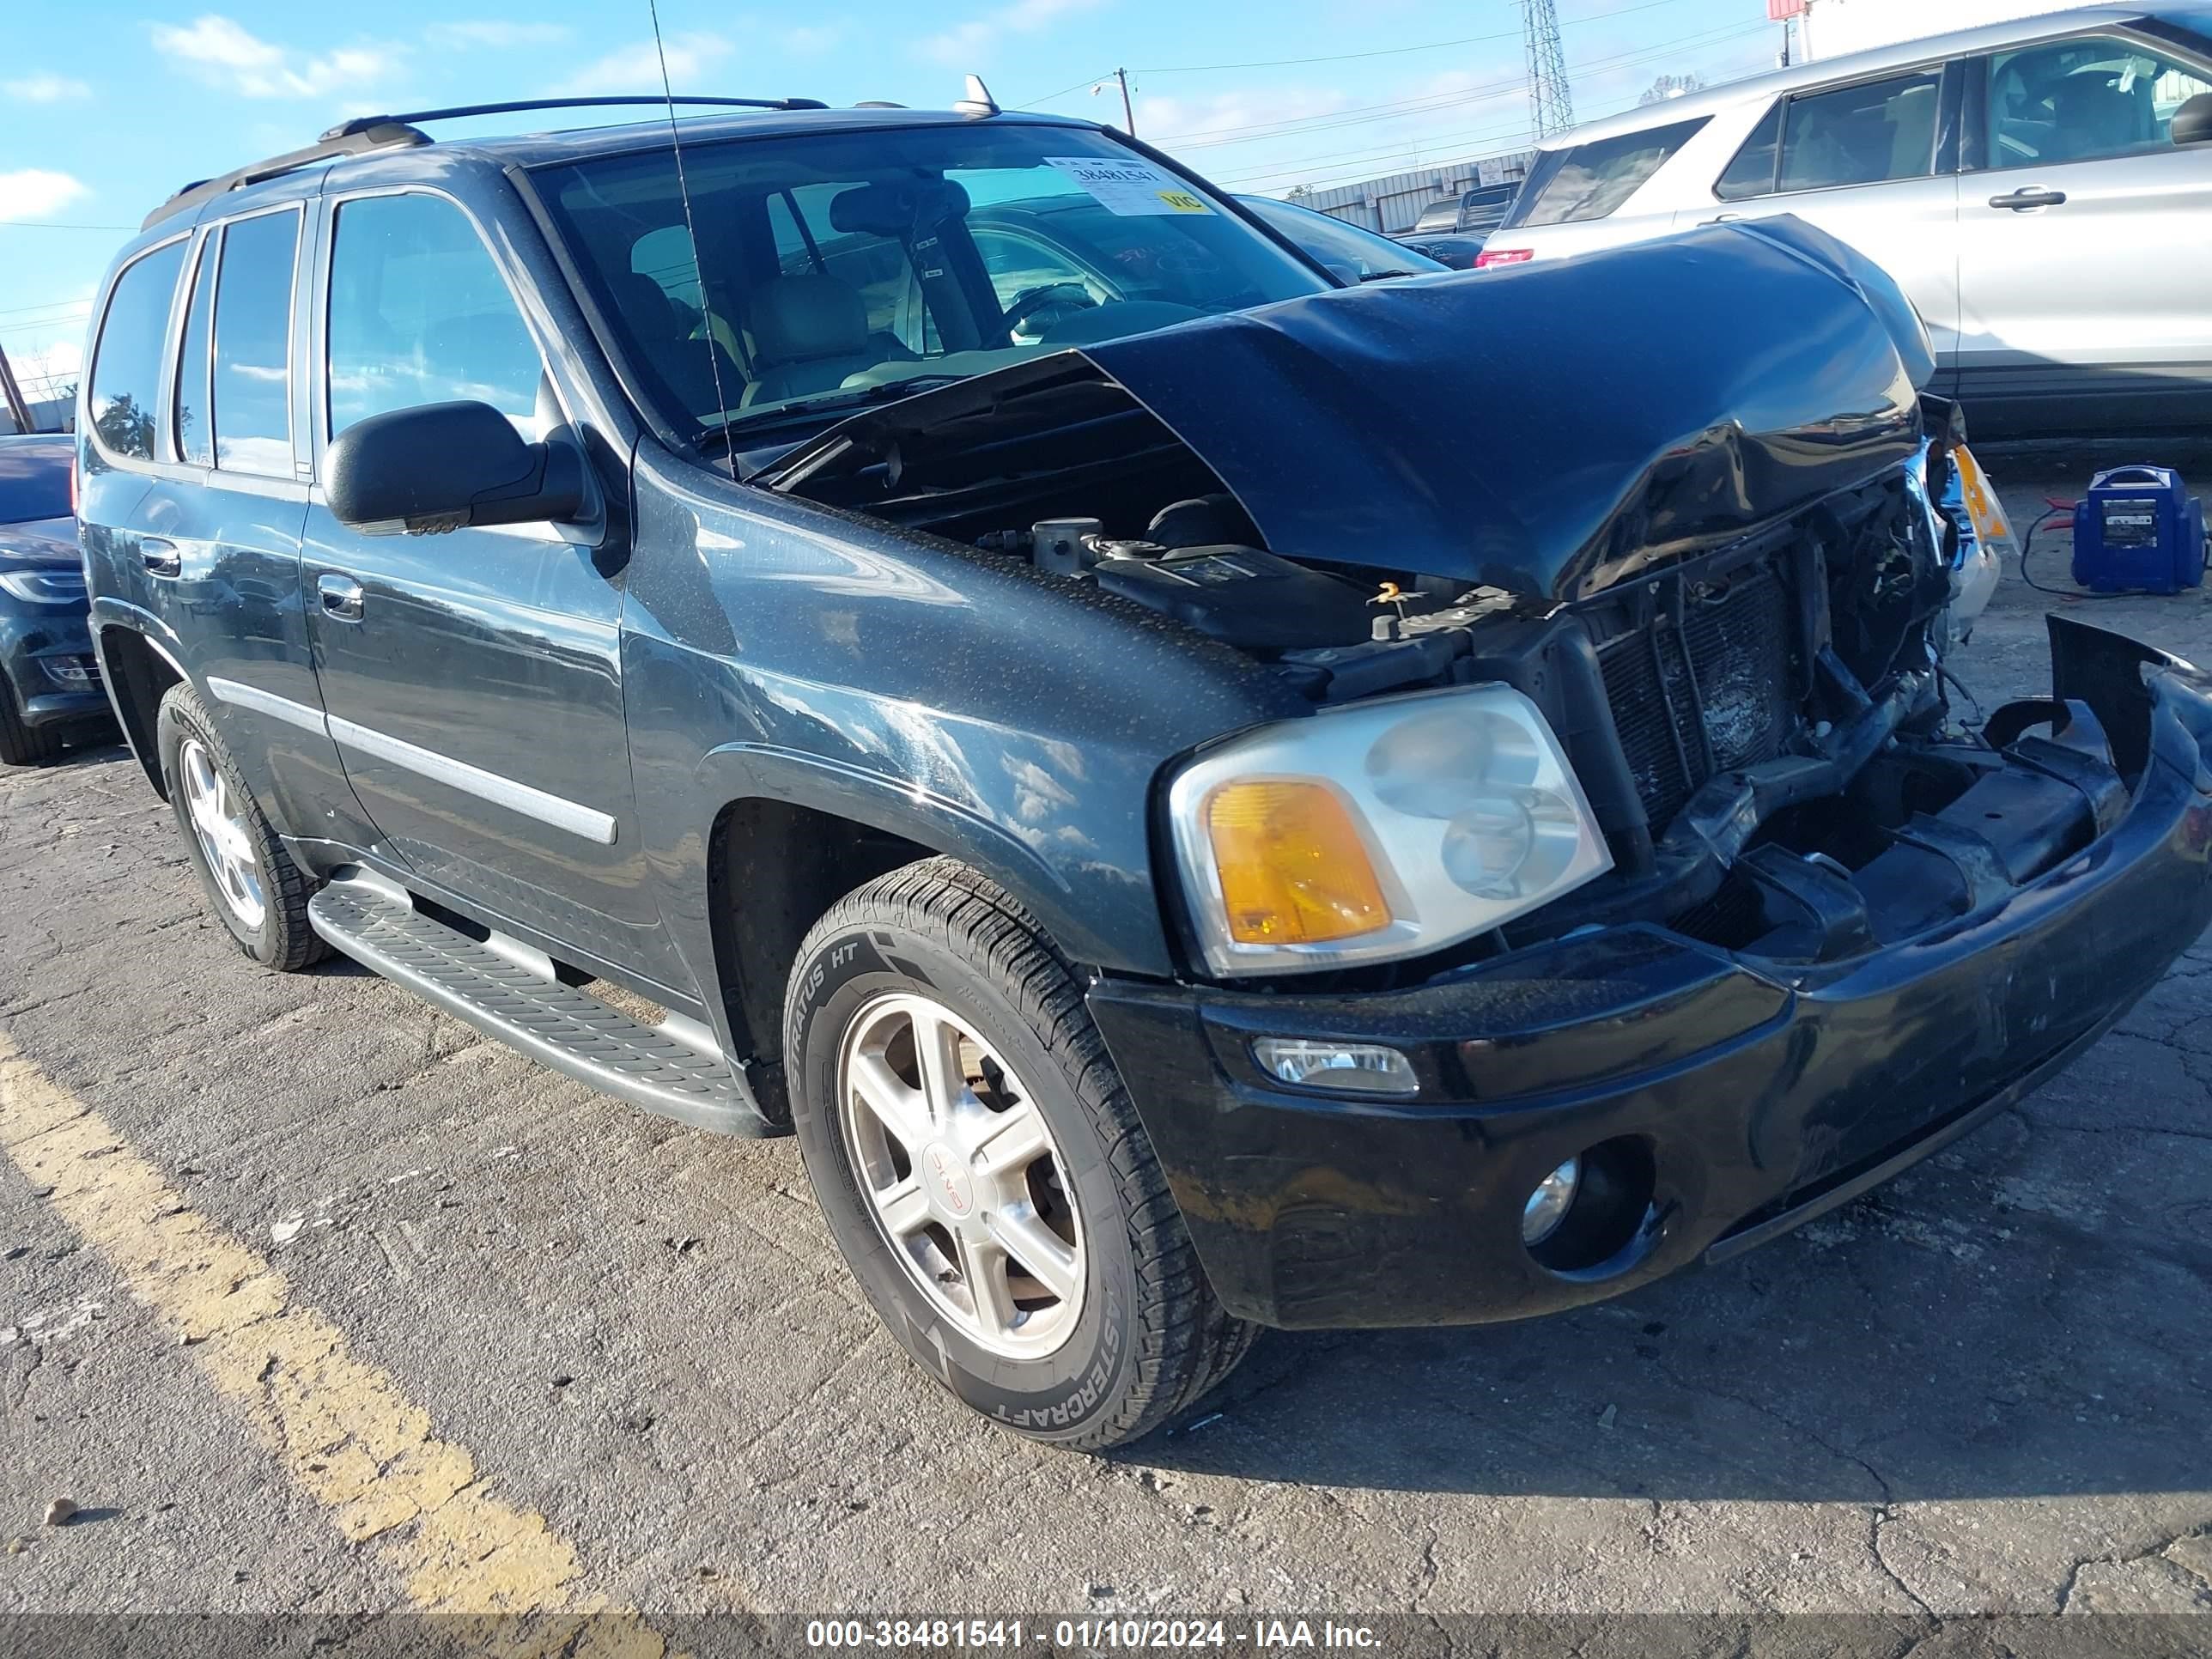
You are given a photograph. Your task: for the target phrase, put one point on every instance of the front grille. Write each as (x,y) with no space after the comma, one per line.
(1712,695)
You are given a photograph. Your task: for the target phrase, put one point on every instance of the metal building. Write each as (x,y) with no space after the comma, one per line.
(1391,203)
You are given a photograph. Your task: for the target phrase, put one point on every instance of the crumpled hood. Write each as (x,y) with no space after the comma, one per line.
(1549,428)
(40,543)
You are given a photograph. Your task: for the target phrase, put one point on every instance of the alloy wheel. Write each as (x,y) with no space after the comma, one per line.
(961,1175)
(218,819)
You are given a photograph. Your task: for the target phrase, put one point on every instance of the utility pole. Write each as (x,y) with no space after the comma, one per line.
(18,410)
(1551,105)
(1128,115)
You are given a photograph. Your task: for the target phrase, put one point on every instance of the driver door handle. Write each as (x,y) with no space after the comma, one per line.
(159,557)
(2021,200)
(341,596)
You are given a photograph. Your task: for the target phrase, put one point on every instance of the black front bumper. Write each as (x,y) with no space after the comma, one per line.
(31,635)
(1729,1101)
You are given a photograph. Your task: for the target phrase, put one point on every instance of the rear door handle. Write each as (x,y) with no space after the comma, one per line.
(159,557)
(341,596)
(2021,200)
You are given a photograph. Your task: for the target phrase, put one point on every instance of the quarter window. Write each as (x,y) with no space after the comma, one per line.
(253,344)
(2081,101)
(1590,180)
(420,314)
(126,365)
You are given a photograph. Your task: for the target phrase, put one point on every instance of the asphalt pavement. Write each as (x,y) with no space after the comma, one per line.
(314,1301)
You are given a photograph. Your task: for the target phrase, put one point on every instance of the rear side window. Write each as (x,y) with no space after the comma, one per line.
(253,344)
(1752,172)
(195,440)
(126,365)
(420,314)
(1868,134)
(34,482)
(1589,181)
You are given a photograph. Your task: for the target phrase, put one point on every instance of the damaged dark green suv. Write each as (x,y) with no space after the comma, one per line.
(1205,798)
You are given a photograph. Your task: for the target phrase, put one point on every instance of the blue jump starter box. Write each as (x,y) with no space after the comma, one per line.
(2138,530)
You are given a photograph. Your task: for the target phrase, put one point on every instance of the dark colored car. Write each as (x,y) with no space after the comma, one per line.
(1205,797)
(1348,251)
(1455,252)
(50,689)
(1475,212)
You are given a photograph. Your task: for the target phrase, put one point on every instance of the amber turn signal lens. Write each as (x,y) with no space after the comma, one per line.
(1293,868)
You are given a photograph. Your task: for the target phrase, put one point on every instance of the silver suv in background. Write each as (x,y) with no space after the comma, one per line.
(2041,189)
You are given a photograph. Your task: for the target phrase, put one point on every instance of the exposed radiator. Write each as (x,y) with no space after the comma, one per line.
(1713,695)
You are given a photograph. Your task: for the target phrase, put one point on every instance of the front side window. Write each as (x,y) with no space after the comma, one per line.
(1752,172)
(126,364)
(2082,100)
(1866,134)
(1589,181)
(420,314)
(253,399)
(835,267)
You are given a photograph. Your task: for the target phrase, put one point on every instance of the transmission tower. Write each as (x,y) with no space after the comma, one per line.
(1551,105)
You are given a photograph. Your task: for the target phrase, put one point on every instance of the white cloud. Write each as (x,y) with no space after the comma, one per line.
(34,193)
(808,40)
(45,89)
(636,68)
(217,50)
(495,34)
(966,45)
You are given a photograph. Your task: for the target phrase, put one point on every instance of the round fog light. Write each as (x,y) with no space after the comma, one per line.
(1547,1206)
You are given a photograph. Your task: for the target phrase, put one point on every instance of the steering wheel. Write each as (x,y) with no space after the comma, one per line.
(1069,296)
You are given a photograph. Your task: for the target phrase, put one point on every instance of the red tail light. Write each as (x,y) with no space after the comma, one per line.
(1502,256)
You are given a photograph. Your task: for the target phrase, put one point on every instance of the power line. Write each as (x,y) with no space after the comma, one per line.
(1384,52)
(1361,114)
(56,224)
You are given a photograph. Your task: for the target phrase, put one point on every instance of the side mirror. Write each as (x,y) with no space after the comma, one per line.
(2193,122)
(439,466)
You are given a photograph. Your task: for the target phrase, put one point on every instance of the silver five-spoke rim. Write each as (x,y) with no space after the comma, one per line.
(954,1158)
(218,818)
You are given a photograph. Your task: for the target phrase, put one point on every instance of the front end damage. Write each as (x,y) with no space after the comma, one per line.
(1678,497)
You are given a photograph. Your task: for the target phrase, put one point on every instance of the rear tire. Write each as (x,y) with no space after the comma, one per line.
(22,744)
(1113,1329)
(251,881)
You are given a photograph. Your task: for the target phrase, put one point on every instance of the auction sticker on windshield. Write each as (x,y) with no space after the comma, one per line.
(1130,189)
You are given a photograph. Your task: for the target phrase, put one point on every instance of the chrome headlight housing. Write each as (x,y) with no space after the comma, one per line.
(60,585)
(1378,829)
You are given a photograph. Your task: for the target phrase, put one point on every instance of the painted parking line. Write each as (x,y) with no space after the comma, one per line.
(345,1431)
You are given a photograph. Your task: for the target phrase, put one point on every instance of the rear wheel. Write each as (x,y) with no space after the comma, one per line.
(983,1172)
(258,892)
(22,744)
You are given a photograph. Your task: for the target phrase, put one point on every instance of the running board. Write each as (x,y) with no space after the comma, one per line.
(556,1024)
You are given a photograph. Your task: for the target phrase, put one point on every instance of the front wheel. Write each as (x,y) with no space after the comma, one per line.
(258,892)
(983,1172)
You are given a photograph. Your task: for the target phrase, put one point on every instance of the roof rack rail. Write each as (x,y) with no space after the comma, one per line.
(369,132)
(381,132)
(348,128)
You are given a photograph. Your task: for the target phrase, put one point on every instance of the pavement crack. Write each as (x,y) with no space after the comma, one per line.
(1883,1515)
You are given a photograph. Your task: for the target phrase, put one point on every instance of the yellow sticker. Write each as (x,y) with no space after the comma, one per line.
(1182,201)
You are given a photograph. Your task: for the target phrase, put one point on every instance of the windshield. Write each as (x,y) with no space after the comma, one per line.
(34,480)
(1333,242)
(837,269)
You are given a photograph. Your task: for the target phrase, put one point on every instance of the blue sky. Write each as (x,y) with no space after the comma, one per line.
(105,109)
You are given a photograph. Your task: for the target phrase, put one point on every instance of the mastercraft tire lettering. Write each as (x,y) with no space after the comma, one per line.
(980,1164)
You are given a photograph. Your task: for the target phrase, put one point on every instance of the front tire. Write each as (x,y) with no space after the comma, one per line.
(983,1172)
(23,745)
(251,881)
